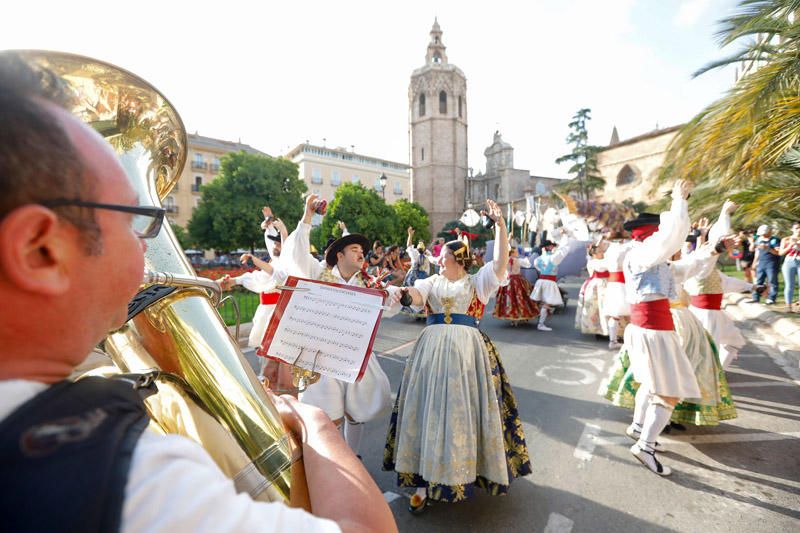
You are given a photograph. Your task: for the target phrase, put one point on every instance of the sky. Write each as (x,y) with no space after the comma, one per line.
(276,74)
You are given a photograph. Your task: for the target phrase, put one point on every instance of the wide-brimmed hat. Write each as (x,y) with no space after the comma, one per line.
(643,219)
(340,244)
(545,243)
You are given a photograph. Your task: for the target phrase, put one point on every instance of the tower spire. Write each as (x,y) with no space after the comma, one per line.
(436,49)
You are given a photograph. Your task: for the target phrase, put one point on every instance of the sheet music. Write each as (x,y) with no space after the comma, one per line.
(327,329)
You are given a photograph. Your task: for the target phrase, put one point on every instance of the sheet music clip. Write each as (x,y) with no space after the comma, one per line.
(288,288)
(302,378)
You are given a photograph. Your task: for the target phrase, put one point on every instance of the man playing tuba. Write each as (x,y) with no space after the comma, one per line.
(77,455)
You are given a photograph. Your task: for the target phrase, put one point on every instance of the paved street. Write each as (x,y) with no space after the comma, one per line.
(743,475)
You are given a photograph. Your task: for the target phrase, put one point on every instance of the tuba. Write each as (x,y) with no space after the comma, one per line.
(175,336)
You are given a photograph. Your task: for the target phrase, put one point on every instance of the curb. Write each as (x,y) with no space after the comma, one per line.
(781,332)
(244,333)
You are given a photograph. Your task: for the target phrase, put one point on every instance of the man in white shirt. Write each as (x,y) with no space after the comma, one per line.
(66,276)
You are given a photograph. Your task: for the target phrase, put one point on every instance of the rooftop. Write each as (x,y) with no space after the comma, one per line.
(200,141)
(344,155)
(649,135)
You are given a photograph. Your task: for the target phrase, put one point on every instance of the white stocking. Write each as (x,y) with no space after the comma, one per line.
(612,329)
(655,420)
(542,315)
(640,407)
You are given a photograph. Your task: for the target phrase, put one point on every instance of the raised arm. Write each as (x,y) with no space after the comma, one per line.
(671,233)
(296,253)
(500,257)
(722,226)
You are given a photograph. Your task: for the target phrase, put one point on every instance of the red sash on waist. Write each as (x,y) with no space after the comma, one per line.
(707,301)
(548,276)
(619,277)
(270,298)
(600,275)
(652,315)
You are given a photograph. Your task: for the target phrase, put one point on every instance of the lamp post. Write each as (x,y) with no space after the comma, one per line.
(382,180)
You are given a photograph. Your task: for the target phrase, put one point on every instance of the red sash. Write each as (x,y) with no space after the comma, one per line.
(707,301)
(619,277)
(270,298)
(548,276)
(601,275)
(652,315)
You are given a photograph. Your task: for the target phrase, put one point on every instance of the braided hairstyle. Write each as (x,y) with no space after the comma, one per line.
(462,253)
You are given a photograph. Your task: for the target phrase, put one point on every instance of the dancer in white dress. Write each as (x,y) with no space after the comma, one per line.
(546,292)
(455,424)
(616,304)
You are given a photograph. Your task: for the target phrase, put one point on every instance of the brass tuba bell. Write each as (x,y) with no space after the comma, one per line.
(207,390)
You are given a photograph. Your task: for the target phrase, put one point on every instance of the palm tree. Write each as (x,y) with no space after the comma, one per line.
(744,143)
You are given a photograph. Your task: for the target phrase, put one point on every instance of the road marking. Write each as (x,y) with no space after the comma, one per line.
(390,496)
(588,441)
(766,403)
(587,379)
(770,377)
(722,438)
(557,523)
(398,348)
(597,364)
(748,355)
(737,384)
(603,388)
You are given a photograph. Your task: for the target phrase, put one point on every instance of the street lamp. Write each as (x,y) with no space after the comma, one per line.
(382,180)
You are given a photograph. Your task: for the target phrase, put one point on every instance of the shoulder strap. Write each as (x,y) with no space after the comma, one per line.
(66,453)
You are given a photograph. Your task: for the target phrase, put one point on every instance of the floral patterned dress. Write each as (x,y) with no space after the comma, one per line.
(455,424)
(512,301)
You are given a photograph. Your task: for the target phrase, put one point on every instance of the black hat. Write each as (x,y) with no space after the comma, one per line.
(276,238)
(545,243)
(643,219)
(340,244)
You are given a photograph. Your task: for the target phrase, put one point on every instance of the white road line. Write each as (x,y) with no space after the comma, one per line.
(742,384)
(601,390)
(722,438)
(770,377)
(398,348)
(748,355)
(390,496)
(766,403)
(557,523)
(588,441)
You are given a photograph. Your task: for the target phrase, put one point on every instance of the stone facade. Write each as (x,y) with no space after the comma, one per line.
(631,167)
(437,111)
(502,182)
(324,169)
(202,165)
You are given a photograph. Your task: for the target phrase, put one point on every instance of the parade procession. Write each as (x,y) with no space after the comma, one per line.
(196,335)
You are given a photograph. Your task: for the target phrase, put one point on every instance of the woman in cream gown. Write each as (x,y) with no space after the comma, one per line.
(455,424)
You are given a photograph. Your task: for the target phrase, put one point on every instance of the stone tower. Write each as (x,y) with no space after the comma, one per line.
(437,114)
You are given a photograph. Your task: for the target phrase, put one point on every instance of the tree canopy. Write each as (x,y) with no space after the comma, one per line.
(364,211)
(746,143)
(229,213)
(583,158)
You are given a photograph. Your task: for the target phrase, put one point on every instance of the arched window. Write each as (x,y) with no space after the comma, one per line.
(443,102)
(422,105)
(459,107)
(437,58)
(627,175)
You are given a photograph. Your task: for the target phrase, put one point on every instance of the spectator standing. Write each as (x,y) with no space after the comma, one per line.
(790,248)
(767,259)
(747,255)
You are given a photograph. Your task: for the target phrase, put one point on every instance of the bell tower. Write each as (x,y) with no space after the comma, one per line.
(437,114)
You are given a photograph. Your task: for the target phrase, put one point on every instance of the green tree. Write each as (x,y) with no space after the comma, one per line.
(363,211)
(745,144)
(229,213)
(414,215)
(583,158)
(183,236)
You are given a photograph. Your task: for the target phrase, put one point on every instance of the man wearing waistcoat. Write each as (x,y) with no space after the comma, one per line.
(347,404)
(658,360)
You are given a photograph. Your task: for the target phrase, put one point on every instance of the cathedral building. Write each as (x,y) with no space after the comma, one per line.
(437,111)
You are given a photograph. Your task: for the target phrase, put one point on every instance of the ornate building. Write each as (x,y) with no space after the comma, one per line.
(502,182)
(437,111)
(631,167)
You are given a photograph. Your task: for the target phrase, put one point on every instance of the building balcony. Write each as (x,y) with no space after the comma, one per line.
(171,208)
(199,165)
(214,167)
(195,187)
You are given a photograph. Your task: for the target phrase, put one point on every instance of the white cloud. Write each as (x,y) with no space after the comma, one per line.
(691,11)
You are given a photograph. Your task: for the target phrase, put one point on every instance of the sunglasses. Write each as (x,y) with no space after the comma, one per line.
(146,221)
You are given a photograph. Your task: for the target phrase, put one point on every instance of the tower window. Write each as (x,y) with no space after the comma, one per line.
(443,102)
(422,105)
(459,107)
(423,154)
(437,58)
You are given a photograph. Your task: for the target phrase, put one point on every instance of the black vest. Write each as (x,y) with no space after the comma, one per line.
(65,456)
